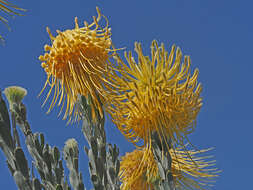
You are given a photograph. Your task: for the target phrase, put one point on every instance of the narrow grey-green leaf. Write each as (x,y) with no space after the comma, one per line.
(56,154)
(21,182)
(36,184)
(42,140)
(58,187)
(75,164)
(22,162)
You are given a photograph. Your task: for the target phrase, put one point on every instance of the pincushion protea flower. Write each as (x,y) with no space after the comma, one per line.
(77,62)
(138,170)
(156,95)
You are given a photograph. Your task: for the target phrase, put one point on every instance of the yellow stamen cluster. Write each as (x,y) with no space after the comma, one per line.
(77,63)
(157,94)
(138,170)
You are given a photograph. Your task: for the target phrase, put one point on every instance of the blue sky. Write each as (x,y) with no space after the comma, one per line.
(216,34)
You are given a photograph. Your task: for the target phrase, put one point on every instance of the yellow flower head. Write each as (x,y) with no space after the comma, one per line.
(77,63)
(156,94)
(138,170)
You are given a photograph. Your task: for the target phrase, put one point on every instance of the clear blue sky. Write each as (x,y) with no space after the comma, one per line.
(216,34)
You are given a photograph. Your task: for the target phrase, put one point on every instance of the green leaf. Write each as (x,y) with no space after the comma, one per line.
(58,187)
(56,154)
(22,162)
(42,140)
(36,184)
